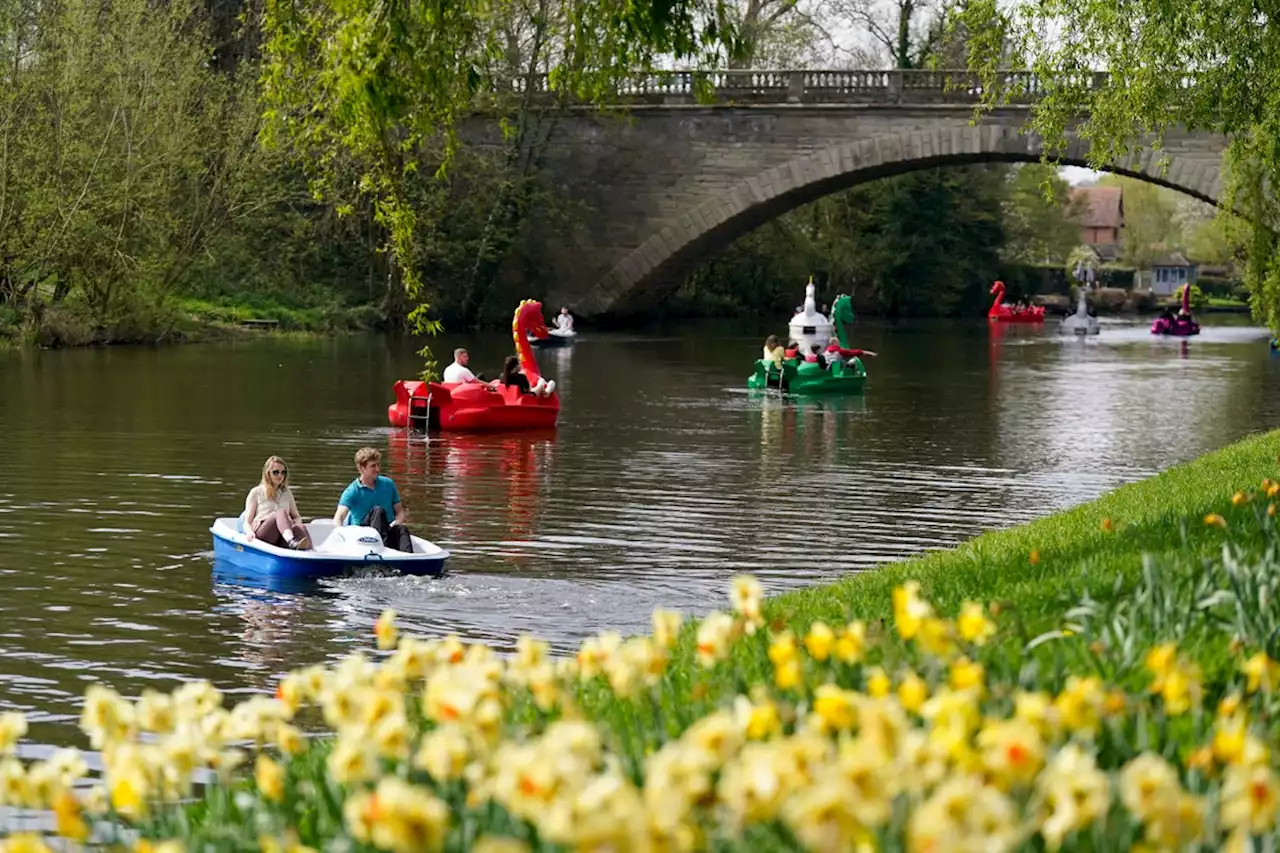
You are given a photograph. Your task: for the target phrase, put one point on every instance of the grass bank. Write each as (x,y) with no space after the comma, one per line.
(72,324)
(1084,550)
(1102,679)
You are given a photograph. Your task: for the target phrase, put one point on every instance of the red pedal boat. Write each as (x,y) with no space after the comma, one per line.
(481,406)
(1002,312)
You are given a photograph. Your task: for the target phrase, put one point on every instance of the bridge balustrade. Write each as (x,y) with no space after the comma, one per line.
(822,86)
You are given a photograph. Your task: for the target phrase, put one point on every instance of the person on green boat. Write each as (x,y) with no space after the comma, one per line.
(834,351)
(773,350)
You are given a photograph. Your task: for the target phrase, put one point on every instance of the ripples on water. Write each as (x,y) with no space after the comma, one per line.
(665,478)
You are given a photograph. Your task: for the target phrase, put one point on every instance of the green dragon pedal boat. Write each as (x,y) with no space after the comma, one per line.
(800,377)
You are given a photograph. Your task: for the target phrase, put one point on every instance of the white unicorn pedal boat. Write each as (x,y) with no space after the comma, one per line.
(810,326)
(335,551)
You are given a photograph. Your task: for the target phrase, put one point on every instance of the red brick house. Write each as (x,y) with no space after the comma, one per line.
(1101,219)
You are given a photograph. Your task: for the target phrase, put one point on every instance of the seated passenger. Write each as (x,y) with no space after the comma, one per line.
(773,350)
(458,372)
(814,356)
(835,351)
(792,351)
(270,512)
(373,500)
(511,375)
(564,320)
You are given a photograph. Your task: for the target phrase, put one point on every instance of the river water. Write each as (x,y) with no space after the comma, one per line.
(664,479)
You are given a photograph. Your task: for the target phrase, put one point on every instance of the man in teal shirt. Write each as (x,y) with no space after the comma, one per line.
(374,501)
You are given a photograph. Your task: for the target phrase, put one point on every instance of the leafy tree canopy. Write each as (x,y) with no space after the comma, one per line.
(1212,66)
(381,87)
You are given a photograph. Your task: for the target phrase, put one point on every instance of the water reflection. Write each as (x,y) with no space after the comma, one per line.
(493,487)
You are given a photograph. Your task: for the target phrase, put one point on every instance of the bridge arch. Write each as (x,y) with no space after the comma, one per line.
(662,261)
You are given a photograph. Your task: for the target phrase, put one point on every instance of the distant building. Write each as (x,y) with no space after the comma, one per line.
(1169,272)
(1101,219)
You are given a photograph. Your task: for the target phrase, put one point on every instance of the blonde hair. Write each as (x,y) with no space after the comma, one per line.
(268,486)
(365,455)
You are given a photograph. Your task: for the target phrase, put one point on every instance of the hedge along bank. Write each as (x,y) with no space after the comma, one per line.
(926,732)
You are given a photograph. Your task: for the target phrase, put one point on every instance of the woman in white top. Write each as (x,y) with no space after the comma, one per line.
(270,512)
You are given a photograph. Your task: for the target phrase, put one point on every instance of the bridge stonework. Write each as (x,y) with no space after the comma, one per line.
(665,186)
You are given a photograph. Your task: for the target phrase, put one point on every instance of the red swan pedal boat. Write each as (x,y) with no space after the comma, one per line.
(479,406)
(1002,312)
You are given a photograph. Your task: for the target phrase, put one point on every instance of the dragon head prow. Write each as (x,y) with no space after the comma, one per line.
(999,285)
(842,317)
(528,320)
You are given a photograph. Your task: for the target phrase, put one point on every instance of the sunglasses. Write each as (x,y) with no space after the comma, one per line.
(276,472)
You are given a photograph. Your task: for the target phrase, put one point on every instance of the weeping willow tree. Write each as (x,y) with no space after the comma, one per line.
(1210,66)
(372,92)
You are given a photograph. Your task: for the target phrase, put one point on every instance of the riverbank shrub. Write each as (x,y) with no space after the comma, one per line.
(1102,679)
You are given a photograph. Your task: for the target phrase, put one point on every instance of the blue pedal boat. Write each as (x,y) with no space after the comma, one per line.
(335,551)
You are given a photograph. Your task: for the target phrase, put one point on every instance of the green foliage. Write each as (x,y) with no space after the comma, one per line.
(121,149)
(1199,299)
(1039,216)
(371,95)
(1170,65)
(923,243)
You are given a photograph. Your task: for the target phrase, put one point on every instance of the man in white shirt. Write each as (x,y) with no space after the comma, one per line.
(458,372)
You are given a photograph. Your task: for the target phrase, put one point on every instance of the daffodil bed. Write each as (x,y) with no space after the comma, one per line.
(1102,680)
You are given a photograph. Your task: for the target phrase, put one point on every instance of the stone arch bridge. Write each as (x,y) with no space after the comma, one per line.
(670,179)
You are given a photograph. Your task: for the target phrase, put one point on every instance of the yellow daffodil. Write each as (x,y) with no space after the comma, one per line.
(1079,706)
(156,712)
(785,657)
(760,719)
(875,781)
(385,631)
(1012,752)
(1261,672)
(24,842)
(352,760)
(973,624)
(269,777)
(851,643)
(1250,799)
(13,726)
(747,597)
(1176,680)
(834,707)
(106,717)
(398,817)
(69,817)
(1071,794)
(967,675)
(144,845)
(715,635)
(666,627)
(962,814)
(937,637)
(909,610)
(878,683)
(912,692)
(820,818)
(819,641)
(1149,787)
